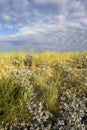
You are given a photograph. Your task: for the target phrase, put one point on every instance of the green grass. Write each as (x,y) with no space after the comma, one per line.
(11,100)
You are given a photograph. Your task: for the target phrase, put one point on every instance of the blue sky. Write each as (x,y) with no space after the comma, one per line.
(59,25)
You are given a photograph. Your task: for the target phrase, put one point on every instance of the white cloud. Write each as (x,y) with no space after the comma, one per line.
(44,23)
(61,17)
(50,1)
(56,39)
(21,12)
(6,17)
(14,11)
(84,21)
(74,25)
(78,14)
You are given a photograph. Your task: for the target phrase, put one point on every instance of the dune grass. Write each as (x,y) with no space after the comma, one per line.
(30,77)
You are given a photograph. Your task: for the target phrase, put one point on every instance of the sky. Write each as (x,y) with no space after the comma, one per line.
(43,25)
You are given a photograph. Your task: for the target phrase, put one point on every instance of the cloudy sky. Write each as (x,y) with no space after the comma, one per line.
(56,25)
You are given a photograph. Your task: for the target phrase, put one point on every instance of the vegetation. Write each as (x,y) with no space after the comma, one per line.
(46,91)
